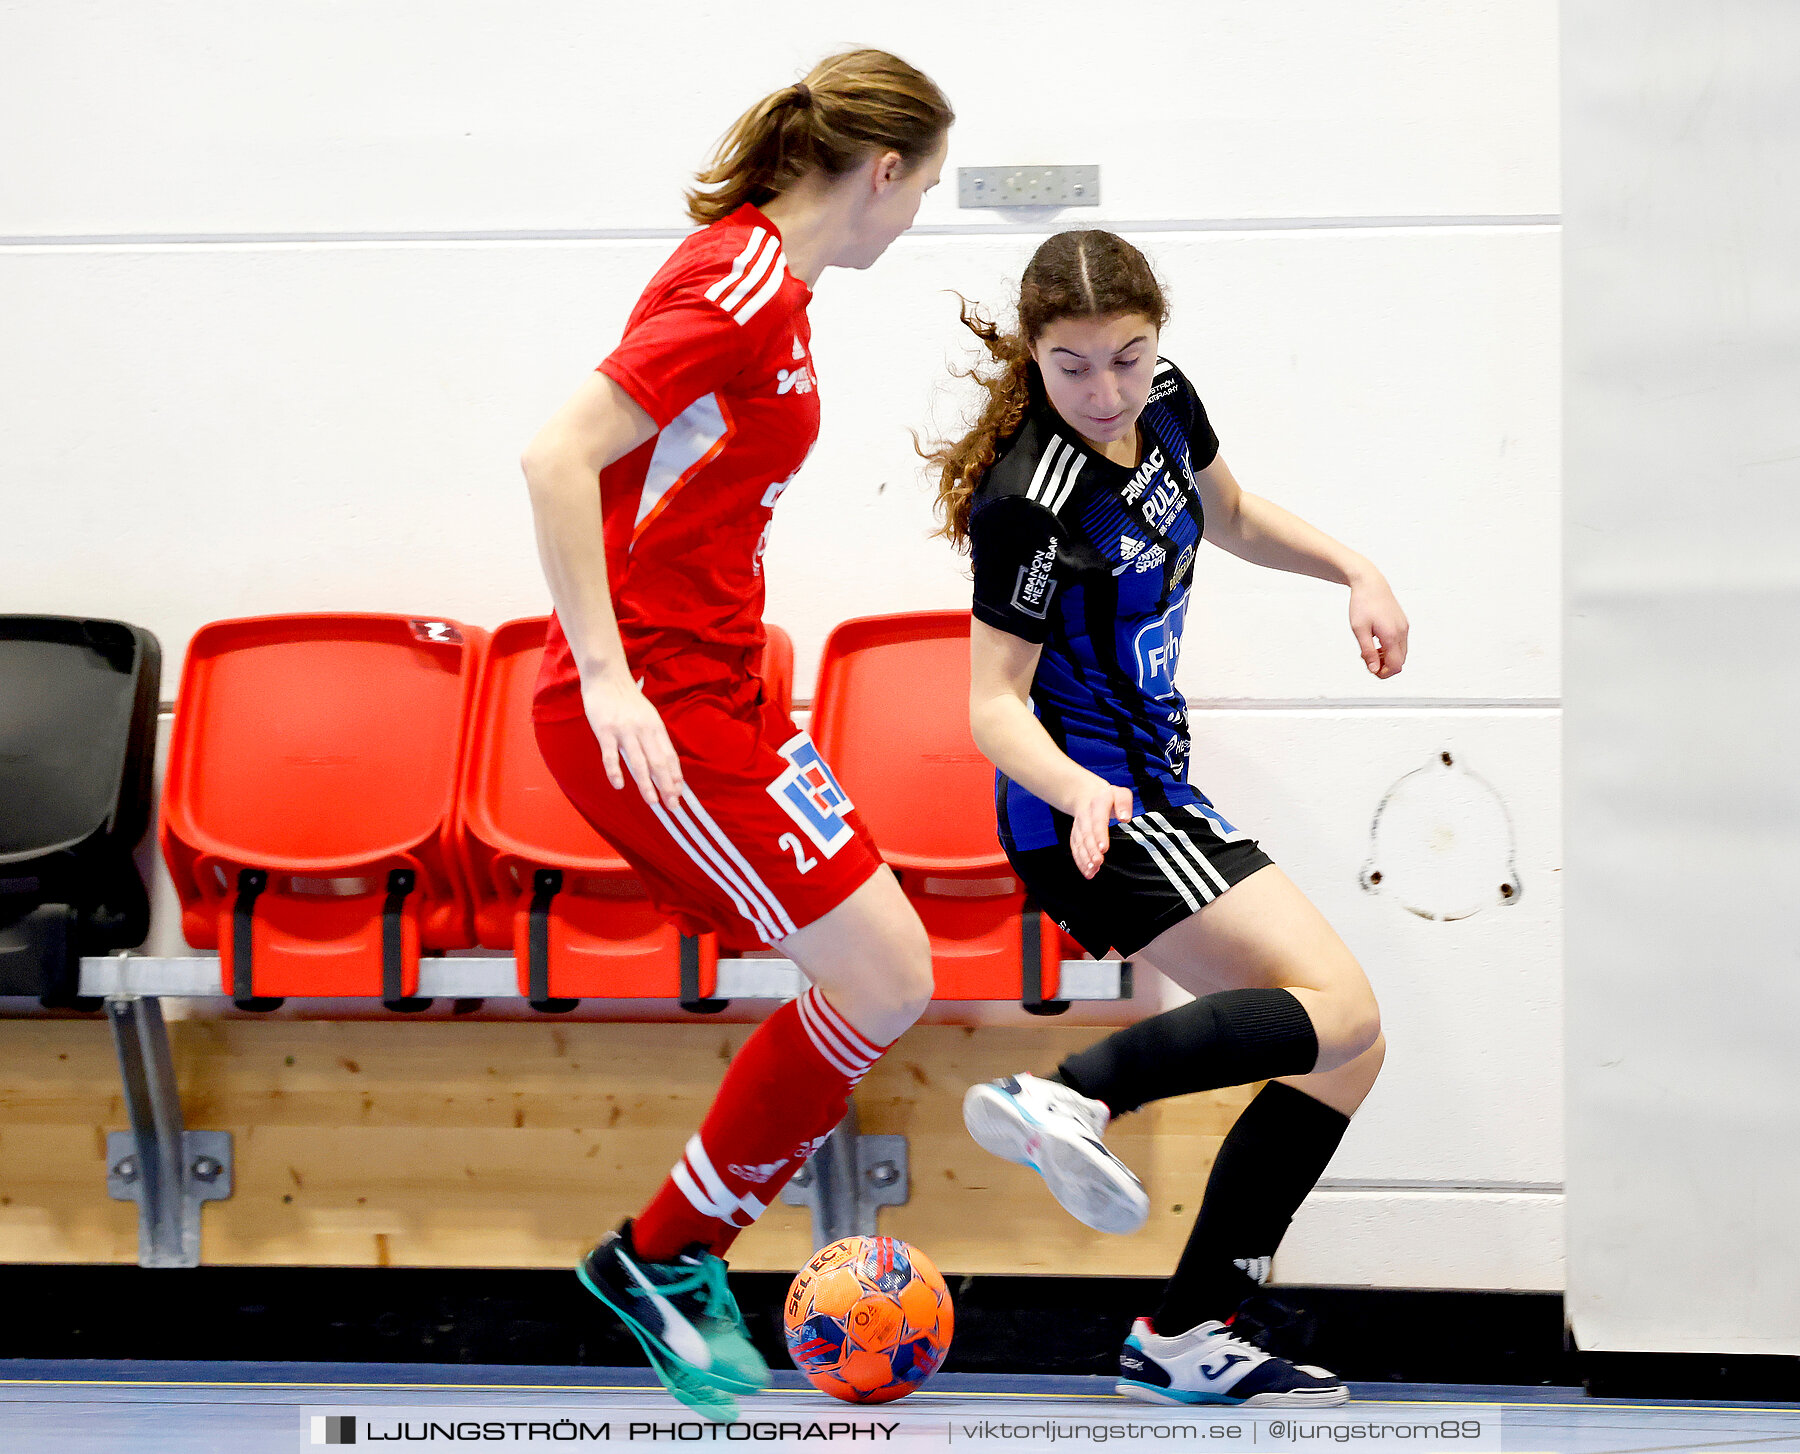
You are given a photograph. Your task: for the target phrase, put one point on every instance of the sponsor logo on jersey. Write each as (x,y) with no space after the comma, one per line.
(1182,563)
(1162,389)
(797,381)
(1136,556)
(811,796)
(1034,589)
(1157,647)
(1143,475)
(1163,505)
(799,349)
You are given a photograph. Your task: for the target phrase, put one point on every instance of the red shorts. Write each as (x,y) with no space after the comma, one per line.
(764,841)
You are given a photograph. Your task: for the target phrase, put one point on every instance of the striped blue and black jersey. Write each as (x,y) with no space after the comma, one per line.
(1095,560)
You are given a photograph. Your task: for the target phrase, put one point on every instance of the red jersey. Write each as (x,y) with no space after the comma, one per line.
(718,353)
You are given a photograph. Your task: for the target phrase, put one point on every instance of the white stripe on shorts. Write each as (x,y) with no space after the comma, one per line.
(1193,851)
(783,920)
(707,860)
(1168,870)
(1180,859)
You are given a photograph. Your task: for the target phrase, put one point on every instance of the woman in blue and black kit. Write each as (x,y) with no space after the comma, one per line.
(1083,493)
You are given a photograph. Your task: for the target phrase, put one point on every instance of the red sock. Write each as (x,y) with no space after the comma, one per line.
(782,1094)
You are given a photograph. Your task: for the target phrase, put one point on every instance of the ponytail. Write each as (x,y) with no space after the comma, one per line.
(848,106)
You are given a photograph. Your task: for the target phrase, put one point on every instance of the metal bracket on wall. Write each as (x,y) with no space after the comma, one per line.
(1065,186)
(848,1179)
(168,1171)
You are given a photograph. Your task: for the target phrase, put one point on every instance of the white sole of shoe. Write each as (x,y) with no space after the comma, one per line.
(1091,1184)
(1299,1398)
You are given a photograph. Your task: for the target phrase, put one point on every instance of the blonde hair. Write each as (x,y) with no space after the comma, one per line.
(1086,274)
(849,105)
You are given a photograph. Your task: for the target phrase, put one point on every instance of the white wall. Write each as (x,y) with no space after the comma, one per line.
(1684,638)
(286,289)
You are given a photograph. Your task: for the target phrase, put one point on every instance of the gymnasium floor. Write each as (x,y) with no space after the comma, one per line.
(183,1408)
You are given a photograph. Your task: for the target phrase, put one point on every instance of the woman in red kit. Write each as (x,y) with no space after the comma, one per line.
(649,712)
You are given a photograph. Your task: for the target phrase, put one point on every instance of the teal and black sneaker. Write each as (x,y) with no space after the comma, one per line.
(684,1317)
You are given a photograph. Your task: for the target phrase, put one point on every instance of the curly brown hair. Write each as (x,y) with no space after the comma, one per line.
(1084,274)
(848,106)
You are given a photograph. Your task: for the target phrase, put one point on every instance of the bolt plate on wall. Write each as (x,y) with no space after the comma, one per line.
(1028,186)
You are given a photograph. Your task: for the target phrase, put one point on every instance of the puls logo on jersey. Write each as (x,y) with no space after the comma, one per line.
(1157,647)
(1164,503)
(1137,556)
(811,796)
(1034,589)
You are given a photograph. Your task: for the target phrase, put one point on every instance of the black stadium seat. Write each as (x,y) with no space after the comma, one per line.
(78,705)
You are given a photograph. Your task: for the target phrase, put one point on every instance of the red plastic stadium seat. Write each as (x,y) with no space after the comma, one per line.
(891,716)
(310,797)
(546,886)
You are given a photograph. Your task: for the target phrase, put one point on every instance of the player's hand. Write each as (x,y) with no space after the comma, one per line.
(631,732)
(1096,805)
(1380,625)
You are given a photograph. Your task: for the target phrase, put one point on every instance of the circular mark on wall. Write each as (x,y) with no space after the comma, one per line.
(1441,845)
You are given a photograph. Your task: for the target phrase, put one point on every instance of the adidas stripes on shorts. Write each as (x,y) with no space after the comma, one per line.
(764,842)
(1160,867)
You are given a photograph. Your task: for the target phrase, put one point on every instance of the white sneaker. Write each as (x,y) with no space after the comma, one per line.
(1056,1132)
(1209,1365)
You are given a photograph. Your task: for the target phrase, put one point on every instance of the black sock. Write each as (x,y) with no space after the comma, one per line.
(1272,1157)
(1229,1038)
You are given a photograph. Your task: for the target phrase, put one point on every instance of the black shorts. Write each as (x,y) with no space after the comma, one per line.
(1159,868)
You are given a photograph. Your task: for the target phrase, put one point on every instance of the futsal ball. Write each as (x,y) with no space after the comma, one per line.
(868,1319)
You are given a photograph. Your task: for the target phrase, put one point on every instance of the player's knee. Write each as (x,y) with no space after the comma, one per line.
(911,982)
(1361,1024)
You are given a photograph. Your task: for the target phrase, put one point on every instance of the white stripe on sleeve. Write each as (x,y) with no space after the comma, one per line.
(753,277)
(718,289)
(777,276)
(1045,465)
(1068,482)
